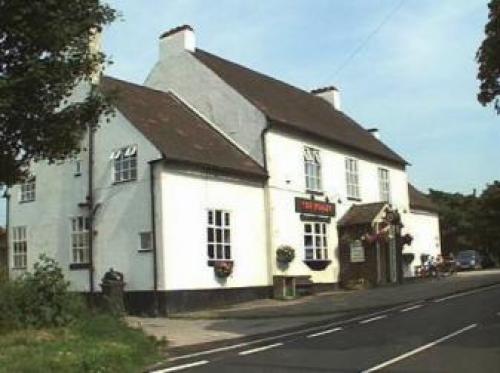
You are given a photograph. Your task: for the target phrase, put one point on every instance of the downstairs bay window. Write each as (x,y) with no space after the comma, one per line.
(315,241)
(316,245)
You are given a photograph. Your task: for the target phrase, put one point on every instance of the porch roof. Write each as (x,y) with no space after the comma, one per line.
(362,214)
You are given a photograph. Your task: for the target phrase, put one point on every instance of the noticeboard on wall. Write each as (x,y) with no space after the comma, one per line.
(357,252)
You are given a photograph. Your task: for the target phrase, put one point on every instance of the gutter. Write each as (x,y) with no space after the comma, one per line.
(300,131)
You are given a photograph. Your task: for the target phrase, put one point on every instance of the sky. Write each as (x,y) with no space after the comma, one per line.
(406,67)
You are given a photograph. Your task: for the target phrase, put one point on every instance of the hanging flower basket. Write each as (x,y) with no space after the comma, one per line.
(408,258)
(223,268)
(407,239)
(285,254)
(370,238)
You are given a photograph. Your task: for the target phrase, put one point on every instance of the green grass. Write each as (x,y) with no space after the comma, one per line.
(97,343)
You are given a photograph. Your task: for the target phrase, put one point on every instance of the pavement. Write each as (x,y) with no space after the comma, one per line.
(195,331)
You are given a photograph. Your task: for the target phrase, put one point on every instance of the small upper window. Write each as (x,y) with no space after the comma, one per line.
(384,185)
(312,168)
(145,241)
(352,178)
(78,167)
(124,164)
(28,190)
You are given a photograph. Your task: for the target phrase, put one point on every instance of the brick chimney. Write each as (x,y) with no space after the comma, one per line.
(329,94)
(177,40)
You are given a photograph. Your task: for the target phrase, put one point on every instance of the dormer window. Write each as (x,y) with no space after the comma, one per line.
(312,168)
(124,164)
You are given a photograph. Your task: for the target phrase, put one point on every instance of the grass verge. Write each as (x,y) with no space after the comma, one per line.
(96,343)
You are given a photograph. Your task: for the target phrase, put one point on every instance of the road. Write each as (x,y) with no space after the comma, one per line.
(458,333)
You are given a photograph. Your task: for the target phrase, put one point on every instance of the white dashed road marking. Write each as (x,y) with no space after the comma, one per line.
(373,319)
(181,367)
(411,308)
(325,332)
(419,349)
(259,349)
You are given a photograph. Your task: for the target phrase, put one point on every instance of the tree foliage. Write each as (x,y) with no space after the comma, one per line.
(469,221)
(488,57)
(45,53)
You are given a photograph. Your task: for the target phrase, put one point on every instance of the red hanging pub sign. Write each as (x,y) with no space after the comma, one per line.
(309,206)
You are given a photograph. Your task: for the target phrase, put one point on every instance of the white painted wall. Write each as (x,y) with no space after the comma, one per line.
(186,197)
(287,180)
(125,207)
(179,71)
(424,227)
(124,210)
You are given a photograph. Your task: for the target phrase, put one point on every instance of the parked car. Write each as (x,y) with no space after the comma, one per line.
(468,259)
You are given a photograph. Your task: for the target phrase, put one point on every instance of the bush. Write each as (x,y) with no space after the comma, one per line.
(39,299)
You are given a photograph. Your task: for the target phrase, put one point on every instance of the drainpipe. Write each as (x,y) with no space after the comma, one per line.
(268,212)
(6,195)
(153,234)
(90,200)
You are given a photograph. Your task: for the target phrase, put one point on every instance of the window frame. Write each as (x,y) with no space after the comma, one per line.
(82,240)
(319,253)
(312,169)
(19,240)
(124,162)
(384,184)
(353,189)
(27,191)
(145,250)
(213,241)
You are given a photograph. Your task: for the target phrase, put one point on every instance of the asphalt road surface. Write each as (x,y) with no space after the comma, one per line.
(458,333)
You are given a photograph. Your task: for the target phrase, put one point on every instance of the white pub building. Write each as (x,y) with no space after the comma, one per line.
(203,174)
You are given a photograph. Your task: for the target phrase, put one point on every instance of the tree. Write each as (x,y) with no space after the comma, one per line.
(488,218)
(456,220)
(469,221)
(488,57)
(45,53)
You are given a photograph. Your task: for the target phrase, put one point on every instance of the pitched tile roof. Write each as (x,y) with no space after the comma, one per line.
(176,130)
(420,201)
(361,214)
(297,109)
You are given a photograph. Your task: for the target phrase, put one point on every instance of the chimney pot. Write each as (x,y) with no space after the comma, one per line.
(329,94)
(375,132)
